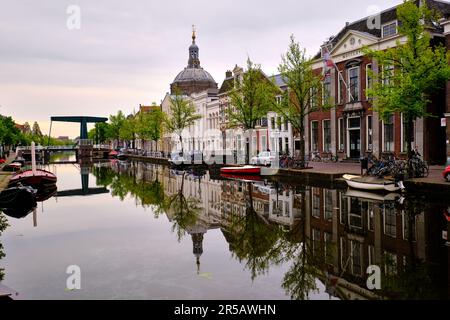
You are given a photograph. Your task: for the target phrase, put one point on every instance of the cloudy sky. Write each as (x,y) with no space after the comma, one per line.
(127,53)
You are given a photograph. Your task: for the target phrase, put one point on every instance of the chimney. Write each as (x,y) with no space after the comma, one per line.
(347,24)
(228,74)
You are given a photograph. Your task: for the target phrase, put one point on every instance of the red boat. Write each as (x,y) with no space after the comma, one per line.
(113,154)
(37,179)
(446,174)
(246,170)
(241,177)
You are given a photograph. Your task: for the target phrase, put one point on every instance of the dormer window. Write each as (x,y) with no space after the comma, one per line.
(389,29)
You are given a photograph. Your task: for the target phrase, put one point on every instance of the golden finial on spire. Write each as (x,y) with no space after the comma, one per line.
(193,32)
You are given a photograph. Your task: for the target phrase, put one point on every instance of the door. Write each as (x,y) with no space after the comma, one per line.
(355,144)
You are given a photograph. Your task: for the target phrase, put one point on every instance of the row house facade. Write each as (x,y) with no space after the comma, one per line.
(272,133)
(351,129)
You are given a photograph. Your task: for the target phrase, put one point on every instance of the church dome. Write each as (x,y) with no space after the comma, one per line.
(193,78)
(194,74)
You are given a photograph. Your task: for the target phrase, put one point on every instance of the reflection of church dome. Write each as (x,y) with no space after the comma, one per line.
(193,78)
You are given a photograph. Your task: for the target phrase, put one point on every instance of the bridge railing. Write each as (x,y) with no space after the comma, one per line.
(40,148)
(85,142)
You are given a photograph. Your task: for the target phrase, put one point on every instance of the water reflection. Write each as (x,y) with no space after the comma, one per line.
(327,236)
(3,225)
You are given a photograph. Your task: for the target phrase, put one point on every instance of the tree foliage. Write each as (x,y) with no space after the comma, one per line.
(411,71)
(252,97)
(303,96)
(182,114)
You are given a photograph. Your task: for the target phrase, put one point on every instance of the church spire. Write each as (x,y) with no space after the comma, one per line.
(194,61)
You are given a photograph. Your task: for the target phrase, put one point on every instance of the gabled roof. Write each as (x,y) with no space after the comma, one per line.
(227,85)
(386,16)
(279,81)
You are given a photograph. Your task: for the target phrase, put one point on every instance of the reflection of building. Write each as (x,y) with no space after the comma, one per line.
(343,231)
(352,233)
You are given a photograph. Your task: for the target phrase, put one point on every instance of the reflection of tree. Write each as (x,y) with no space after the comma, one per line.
(305,260)
(184,210)
(252,238)
(3,225)
(149,193)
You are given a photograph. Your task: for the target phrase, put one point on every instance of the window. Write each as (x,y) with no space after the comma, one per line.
(279,121)
(369,80)
(353,79)
(341,89)
(326,135)
(369,134)
(328,207)
(286,125)
(286,143)
(405,135)
(279,99)
(388,73)
(313,97)
(388,135)
(327,90)
(390,222)
(356,257)
(316,202)
(314,135)
(341,133)
(264,142)
(389,29)
(272,123)
(409,226)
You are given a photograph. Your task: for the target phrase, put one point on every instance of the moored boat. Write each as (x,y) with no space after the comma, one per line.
(113,154)
(16,196)
(241,177)
(12,167)
(246,170)
(36,178)
(372,183)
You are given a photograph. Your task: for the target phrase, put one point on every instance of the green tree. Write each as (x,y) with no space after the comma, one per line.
(149,125)
(116,122)
(182,114)
(250,101)
(128,131)
(302,98)
(9,134)
(411,70)
(37,130)
(99,133)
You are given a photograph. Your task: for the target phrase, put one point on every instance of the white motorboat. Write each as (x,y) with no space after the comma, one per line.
(372,183)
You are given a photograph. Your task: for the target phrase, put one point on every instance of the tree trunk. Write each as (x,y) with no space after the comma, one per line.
(182,147)
(247,151)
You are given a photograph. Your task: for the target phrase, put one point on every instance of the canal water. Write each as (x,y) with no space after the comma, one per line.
(142,231)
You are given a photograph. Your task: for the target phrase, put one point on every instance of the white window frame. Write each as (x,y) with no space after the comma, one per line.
(341,129)
(382,135)
(387,24)
(351,129)
(368,67)
(323,135)
(311,135)
(402,144)
(340,98)
(367,132)
(323,88)
(349,85)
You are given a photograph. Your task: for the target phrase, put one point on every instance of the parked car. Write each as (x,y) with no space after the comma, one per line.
(177,159)
(446,174)
(265,158)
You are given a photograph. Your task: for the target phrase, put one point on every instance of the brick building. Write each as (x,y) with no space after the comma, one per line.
(351,129)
